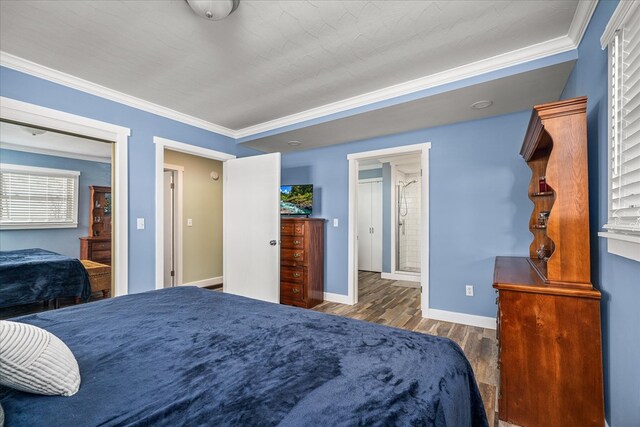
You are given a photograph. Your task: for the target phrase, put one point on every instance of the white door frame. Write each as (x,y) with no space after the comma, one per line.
(394,219)
(177,222)
(161,144)
(23,112)
(353,158)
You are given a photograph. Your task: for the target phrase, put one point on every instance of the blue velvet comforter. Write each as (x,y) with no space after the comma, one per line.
(188,356)
(32,275)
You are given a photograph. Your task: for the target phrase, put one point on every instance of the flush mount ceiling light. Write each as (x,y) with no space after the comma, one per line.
(33,131)
(294,143)
(213,9)
(481,104)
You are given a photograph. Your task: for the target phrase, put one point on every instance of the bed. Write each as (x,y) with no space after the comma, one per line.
(33,275)
(191,356)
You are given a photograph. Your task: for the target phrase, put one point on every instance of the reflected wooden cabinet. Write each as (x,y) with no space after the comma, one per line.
(97,245)
(100,211)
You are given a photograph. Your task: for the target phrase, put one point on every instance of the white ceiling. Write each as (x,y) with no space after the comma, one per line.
(270,58)
(14,137)
(509,94)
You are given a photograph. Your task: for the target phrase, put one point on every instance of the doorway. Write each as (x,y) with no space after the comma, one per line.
(193,210)
(251,220)
(173,227)
(403,172)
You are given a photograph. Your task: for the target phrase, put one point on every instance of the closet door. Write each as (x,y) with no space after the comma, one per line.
(376,226)
(364,226)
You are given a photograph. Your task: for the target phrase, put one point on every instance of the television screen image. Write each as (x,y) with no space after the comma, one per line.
(296,199)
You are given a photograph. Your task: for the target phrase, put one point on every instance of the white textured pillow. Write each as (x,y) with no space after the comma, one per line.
(36,361)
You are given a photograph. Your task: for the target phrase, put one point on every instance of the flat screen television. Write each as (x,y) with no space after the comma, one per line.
(296,199)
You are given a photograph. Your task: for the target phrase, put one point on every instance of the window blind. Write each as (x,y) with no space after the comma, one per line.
(38,197)
(624,191)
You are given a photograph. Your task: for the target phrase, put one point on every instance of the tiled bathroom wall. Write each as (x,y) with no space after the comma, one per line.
(409,234)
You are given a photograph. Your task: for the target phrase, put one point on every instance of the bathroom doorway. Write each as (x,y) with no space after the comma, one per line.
(401,278)
(406,176)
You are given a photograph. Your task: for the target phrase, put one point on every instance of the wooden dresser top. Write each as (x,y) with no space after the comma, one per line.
(517,274)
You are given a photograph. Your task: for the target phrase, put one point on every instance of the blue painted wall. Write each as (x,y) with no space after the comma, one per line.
(61,240)
(616,277)
(479,204)
(144,126)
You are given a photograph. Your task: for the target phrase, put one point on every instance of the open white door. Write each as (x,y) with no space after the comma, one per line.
(251,226)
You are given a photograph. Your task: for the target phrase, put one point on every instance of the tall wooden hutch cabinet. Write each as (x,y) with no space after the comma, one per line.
(550,356)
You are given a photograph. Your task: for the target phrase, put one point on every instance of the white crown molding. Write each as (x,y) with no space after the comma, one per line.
(581,18)
(51,152)
(516,57)
(19,64)
(624,9)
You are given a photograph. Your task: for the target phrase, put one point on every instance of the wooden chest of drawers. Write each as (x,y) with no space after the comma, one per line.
(549,352)
(96,249)
(302,261)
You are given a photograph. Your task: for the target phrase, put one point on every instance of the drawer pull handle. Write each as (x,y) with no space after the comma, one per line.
(298,230)
(295,291)
(296,274)
(296,255)
(296,242)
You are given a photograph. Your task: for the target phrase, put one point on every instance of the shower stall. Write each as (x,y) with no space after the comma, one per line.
(407,230)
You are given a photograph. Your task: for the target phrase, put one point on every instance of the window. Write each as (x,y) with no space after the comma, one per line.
(622,38)
(32,197)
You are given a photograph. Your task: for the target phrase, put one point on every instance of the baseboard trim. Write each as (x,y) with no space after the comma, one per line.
(212,281)
(341,299)
(463,318)
(400,276)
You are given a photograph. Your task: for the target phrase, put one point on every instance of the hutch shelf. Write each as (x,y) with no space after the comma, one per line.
(549,343)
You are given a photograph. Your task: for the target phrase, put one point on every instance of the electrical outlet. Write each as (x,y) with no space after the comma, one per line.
(469,290)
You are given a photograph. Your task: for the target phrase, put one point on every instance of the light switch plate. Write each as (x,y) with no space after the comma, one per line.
(189,222)
(335,222)
(140,224)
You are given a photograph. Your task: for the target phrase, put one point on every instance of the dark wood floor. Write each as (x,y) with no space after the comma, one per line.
(381,302)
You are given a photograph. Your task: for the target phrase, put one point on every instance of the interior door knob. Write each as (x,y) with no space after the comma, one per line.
(273,243)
